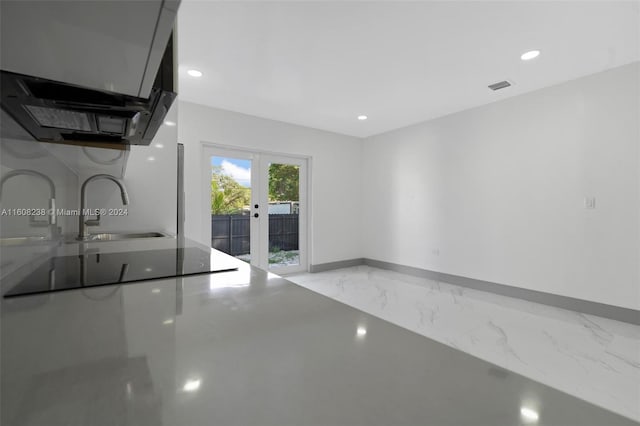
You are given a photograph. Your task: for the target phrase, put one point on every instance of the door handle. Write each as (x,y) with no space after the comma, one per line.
(256,215)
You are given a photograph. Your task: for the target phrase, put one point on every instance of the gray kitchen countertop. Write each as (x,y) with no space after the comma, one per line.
(246,348)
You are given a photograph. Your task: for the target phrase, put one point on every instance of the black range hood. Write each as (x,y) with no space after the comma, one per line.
(65,113)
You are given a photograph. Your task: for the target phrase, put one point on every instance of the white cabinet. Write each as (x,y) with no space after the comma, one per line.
(107,45)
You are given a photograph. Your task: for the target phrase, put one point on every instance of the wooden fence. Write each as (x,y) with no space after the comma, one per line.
(231,233)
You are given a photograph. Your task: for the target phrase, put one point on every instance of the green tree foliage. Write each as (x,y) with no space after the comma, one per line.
(227,195)
(284,182)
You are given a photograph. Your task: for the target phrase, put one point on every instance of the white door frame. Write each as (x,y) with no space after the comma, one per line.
(259,169)
(265,160)
(209,151)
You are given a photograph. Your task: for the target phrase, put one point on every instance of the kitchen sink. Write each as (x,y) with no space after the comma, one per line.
(121,236)
(118,237)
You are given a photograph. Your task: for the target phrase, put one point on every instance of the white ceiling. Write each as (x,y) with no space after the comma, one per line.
(321,64)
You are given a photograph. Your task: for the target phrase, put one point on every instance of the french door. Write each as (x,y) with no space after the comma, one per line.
(256,207)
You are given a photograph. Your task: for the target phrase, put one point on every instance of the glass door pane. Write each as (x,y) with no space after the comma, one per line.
(231,206)
(284,215)
(258,207)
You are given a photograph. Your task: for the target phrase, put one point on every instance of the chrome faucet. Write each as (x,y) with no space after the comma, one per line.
(83,225)
(51,223)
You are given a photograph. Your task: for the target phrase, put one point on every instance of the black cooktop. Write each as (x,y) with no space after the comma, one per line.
(97,269)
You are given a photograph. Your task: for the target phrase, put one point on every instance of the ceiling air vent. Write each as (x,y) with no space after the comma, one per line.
(499,85)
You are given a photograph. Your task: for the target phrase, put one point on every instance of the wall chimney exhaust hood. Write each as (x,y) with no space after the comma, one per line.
(97,73)
(65,113)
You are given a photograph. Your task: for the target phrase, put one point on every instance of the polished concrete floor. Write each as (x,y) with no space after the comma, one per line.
(248,348)
(593,358)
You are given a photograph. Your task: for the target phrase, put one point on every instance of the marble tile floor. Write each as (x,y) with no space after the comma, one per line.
(593,358)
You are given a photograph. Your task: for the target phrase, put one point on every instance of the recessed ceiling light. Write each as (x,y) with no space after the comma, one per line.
(159,145)
(170,123)
(529,415)
(151,158)
(194,73)
(362,117)
(361,331)
(192,385)
(527,56)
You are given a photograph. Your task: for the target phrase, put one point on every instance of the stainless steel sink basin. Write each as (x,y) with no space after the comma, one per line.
(119,237)
(23,241)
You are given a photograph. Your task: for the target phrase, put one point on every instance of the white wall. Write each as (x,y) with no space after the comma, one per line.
(335,176)
(28,192)
(496,193)
(151,184)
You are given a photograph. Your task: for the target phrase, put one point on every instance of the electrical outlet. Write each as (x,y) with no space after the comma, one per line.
(589,203)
